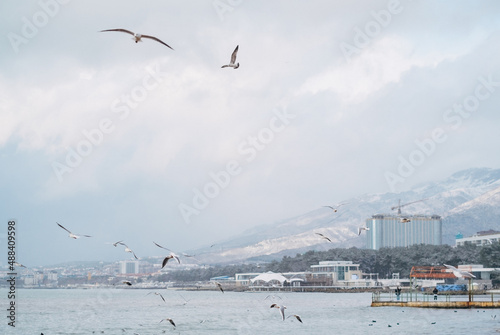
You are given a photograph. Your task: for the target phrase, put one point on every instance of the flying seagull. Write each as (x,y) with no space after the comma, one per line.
(460,273)
(219,286)
(405,220)
(295,316)
(281,308)
(19,265)
(75,236)
(233,60)
(335,208)
(360,229)
(166,259)
(127,249)
(156,293)
(169,320)
(138,37)
(323,236)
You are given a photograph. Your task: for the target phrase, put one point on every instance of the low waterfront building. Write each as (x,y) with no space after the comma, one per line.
(481,238)
(331,273)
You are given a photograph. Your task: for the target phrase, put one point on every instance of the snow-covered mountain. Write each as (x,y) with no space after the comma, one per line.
(468,201)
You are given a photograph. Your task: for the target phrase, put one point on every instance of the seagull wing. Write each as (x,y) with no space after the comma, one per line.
(282,311)
(172,322)
(176,258)
(157,40)
(161,246)
(121,30)
(63,227)
(165,261)
(133,253)
(233,55)
(359,231)
(161,297)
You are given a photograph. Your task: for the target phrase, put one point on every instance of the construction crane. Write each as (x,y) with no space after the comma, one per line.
(399,205)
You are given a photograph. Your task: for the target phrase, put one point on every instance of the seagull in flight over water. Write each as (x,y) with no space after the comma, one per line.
(156,293)
(295,316)
(127,249)
(138,37)
(233,60)
(219,286)
(75,236)
(169,320)
(282,310)
(166,259)
(460,273)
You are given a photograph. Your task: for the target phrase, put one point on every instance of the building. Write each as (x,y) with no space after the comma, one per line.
(480,238)
(398,231)
(332,272)
(129,267)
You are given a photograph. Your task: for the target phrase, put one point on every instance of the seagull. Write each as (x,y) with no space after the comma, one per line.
(233,59)
(460,273)
(138,37)
(360,229)
(272,297)
(127,249)
(127,282)
(405,220)
(169,320)
(71,234)
(296,316)
(323,236)
(166,259)
(19,265)
(219,286)
(281,308)
(156,293)
(335,208)
(185,300)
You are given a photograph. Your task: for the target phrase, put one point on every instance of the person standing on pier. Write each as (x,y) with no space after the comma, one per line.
(435,291)
(398,292)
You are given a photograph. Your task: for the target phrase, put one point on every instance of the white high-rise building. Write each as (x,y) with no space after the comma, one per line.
(402,231)
(129,267)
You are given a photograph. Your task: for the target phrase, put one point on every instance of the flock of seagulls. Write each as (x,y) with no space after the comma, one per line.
(335,209)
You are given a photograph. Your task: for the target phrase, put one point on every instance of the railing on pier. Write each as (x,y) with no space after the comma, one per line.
(414,296)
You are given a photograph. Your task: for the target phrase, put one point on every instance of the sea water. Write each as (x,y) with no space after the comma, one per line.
(134,311)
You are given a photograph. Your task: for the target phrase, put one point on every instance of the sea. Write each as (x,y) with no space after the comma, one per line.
(137,311)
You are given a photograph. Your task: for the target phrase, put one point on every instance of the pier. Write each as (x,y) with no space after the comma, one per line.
(426,300)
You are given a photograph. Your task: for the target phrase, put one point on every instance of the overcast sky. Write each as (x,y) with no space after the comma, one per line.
(138,142)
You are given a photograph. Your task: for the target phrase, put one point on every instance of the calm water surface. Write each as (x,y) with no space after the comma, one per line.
(129,311)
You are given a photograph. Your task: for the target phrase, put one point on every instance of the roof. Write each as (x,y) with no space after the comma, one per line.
(268,276)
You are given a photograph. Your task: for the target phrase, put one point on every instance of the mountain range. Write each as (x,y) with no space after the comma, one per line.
(468,201)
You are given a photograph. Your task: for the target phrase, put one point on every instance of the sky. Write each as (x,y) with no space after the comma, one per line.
(141,143)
